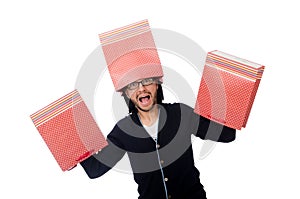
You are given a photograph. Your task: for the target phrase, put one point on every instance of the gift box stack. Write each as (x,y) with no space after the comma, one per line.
(69,130)
(227,89)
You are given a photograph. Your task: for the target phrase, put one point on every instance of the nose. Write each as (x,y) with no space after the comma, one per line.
(140,86)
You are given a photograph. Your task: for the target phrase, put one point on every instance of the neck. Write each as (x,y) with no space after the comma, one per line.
(148,117)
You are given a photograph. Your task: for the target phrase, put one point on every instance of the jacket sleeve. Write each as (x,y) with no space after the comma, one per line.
(207,129)
(98,164)
(210,130)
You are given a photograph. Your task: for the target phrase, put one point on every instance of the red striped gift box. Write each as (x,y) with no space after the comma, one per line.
(69,130)
(228,88)
(130,54)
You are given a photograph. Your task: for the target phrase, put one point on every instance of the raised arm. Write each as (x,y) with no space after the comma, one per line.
(210,130)
(98,164)
(207,129)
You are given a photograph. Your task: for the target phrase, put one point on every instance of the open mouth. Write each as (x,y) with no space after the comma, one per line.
(144,99)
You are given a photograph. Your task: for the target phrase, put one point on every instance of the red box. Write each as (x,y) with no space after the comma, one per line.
(69,130)
(130,53)
(228,88)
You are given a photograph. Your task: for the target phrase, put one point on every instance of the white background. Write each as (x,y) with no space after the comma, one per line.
(43,45)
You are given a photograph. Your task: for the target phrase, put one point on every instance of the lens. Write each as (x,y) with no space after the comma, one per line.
(146,82)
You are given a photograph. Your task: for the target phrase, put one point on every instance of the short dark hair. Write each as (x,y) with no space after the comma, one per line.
(131,106)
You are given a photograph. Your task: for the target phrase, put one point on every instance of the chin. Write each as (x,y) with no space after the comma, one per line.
(145,108)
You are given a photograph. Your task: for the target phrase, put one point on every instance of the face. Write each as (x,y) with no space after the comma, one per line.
(144,96)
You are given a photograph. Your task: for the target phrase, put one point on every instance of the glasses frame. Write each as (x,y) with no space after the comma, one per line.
(143,82)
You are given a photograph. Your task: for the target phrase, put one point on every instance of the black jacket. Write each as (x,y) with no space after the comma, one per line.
(169,162)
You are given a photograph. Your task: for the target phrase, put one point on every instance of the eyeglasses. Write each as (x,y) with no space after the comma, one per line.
(144,82)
